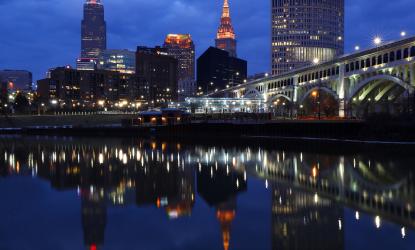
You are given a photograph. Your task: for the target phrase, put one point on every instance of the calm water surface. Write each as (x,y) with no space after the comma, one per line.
(68,193)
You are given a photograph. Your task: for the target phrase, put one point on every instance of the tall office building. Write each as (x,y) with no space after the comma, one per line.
(94,31)
(182,48)
(156,73)
(225,37)
(305,31)
(217,70)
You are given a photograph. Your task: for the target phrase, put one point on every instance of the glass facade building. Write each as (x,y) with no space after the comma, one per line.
(93,33)
(122,61)
(305,31)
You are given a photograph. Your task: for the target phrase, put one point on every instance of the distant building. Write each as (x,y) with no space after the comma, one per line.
(304,31)
(225,37)
(17,79)
(84,88)
(182,48)
(156,72)
(93,33)
(46,89)
(122,61)
(217,70)
(86,64)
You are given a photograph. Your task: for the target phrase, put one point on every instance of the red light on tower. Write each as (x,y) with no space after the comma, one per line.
(11,85)
(93,1)
(93,247)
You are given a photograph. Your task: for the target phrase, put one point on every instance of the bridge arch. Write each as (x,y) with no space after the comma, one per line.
(381,78)
(319,88)
(252,93)
(272,98)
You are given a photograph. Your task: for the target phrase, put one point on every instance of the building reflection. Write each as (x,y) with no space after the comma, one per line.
(219,188)
(301,220)
(309,190)
(164,181)
(94,218)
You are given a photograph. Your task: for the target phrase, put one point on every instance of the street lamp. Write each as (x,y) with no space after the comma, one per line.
(357,48)
(316,60)
(403,33)
(377,40)
(54,105)
(316,95)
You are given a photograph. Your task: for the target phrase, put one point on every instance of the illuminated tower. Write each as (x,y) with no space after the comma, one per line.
(304,31)
(94,31)
(225,38)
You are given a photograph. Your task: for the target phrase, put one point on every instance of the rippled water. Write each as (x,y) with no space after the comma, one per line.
(68,193)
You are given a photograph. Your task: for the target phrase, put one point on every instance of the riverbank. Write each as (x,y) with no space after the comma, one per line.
(355,133)
(71,120)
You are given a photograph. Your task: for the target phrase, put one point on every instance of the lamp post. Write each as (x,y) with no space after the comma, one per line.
(316,95)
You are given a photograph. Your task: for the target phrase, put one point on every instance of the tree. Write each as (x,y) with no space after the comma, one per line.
(21,103)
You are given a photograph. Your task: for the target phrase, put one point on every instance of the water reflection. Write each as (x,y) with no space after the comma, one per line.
(308,190)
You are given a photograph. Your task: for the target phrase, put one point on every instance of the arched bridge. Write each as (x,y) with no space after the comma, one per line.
(377,75)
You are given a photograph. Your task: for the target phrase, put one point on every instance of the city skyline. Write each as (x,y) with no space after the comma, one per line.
(251,23)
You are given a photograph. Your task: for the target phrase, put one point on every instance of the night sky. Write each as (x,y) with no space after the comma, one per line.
(39,34)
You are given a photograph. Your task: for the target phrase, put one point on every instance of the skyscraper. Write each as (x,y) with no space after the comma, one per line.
(94,33)
(225,37)
(305,31)
(156,73)
(182,48)
(217,70)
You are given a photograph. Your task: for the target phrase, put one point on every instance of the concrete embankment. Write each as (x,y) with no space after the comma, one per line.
(78,120)
(335,130)
(311,132)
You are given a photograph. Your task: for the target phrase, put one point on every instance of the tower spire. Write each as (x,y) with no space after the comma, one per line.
(225,11)
(225,37)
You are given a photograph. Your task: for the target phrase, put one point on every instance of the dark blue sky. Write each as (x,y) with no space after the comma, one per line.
(40,34)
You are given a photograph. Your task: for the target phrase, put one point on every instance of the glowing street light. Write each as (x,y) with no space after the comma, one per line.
(357,48)
(101,103)
(403,33)
(377,40)
(316,60)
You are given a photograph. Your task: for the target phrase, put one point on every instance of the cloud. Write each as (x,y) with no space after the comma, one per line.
(40,34)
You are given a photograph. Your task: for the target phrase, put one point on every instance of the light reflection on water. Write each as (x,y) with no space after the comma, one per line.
(316,200)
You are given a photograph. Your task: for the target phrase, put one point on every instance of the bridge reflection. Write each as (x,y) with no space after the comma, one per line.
(309,190)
